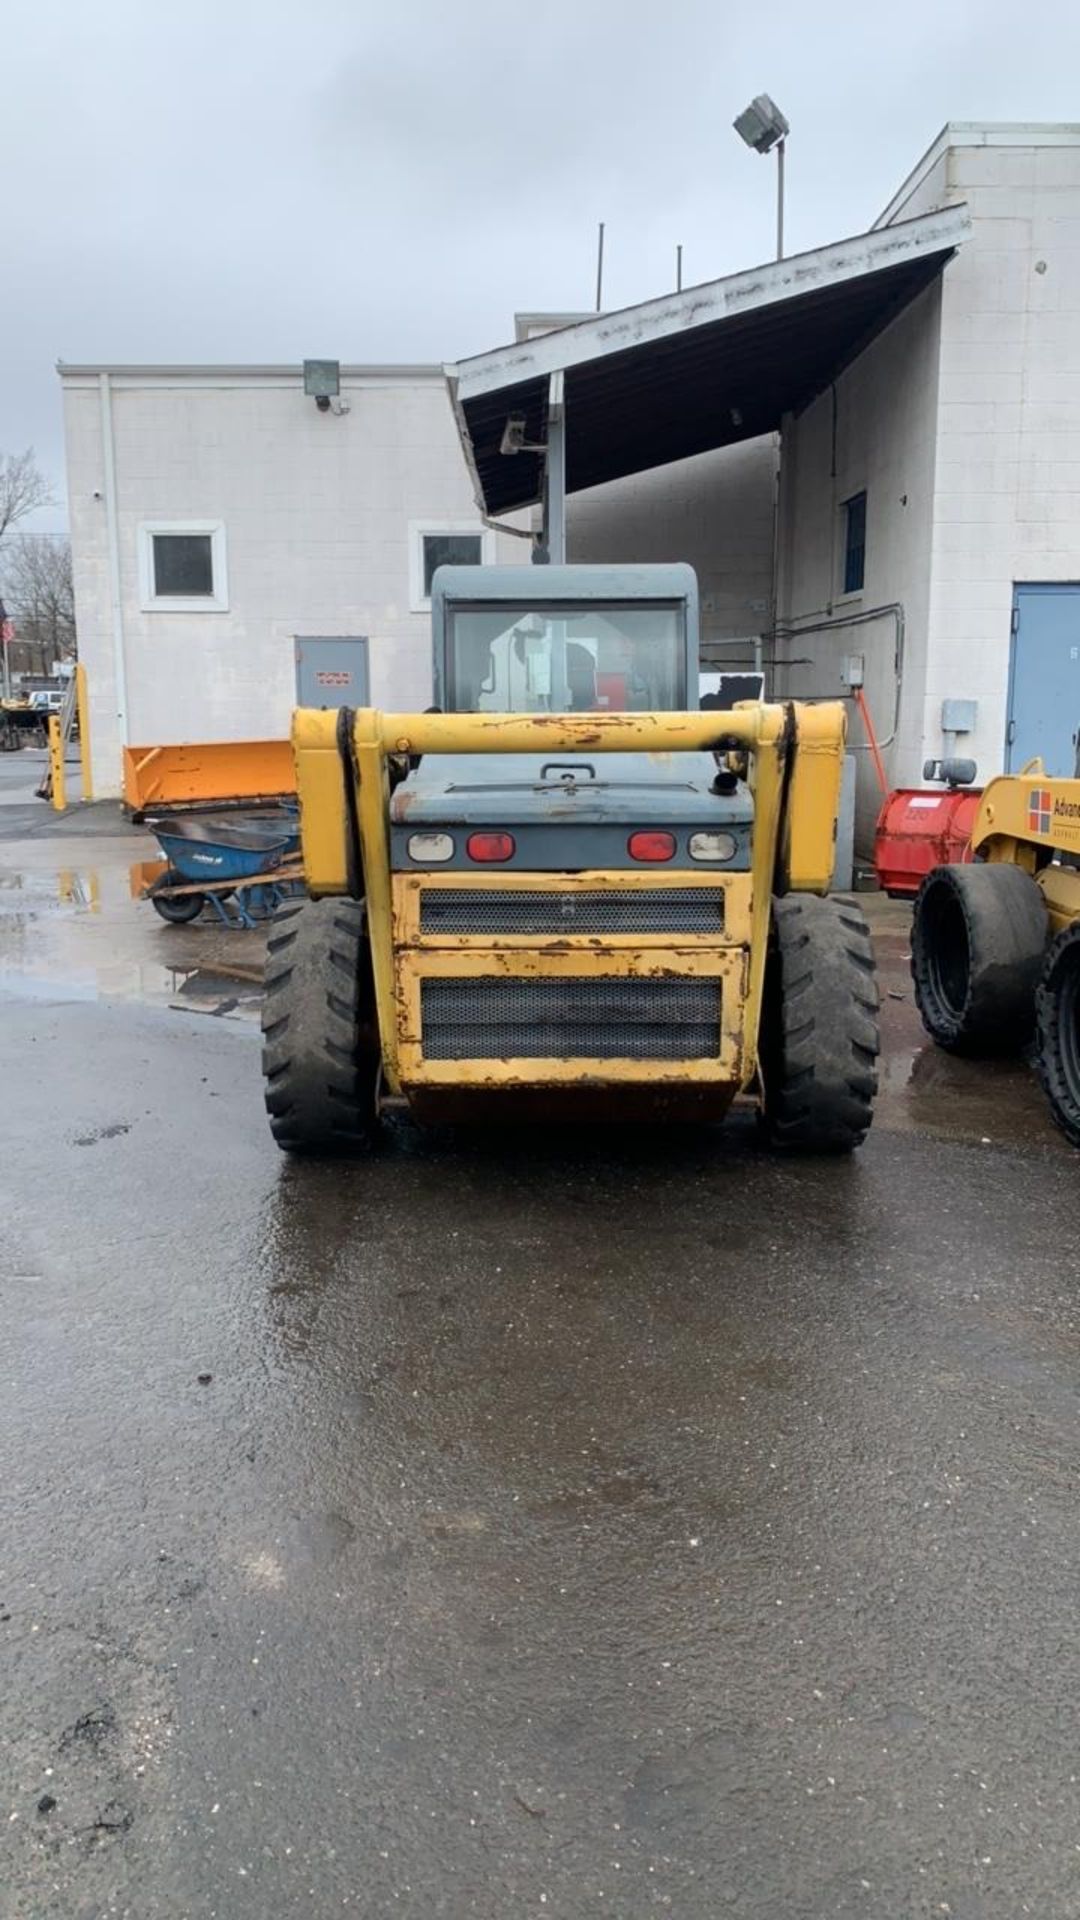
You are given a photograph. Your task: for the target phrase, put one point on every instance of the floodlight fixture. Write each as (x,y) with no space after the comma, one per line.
(764,127)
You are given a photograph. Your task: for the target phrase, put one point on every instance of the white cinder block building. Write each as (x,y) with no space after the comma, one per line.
(220,520)
(216,514)
(926,534)
(941,469)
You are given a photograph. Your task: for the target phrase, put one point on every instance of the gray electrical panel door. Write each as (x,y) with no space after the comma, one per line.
(332,670)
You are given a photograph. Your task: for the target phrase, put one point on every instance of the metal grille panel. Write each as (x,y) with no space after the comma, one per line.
(629,910)
(566,1018)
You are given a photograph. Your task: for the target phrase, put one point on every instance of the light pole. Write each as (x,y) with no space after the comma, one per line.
(763,127)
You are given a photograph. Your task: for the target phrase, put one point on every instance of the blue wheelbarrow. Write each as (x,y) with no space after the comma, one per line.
(241,865)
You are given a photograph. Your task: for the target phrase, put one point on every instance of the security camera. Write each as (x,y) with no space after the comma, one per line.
(513,437)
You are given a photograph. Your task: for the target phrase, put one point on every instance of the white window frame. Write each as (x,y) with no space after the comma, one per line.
(151,602)
(419,602)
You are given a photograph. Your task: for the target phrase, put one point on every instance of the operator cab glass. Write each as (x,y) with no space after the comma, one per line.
(566,659)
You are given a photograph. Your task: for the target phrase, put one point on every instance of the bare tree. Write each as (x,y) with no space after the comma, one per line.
(23,488)
(36,579)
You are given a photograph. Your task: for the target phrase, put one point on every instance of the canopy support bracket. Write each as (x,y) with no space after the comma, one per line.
(551,546)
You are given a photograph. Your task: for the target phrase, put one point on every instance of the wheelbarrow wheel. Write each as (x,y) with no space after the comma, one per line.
(177,909)
(321,1056)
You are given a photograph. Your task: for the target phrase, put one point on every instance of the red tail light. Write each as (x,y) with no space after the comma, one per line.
(651,846)
(490,846)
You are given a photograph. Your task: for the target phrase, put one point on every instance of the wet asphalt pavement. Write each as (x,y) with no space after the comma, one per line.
(543,1523)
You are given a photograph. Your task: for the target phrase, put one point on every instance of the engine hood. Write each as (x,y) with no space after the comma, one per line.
(520,789)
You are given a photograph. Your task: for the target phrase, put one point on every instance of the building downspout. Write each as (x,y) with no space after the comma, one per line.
(113,535)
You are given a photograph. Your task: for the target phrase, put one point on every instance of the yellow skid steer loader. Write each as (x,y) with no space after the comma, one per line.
(563,892)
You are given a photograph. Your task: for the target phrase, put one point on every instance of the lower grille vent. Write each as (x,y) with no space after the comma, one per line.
(599,1019)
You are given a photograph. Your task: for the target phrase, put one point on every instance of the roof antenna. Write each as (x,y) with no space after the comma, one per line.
(600,267)
(678,268)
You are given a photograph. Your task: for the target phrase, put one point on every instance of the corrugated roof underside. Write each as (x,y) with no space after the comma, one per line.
(706,387)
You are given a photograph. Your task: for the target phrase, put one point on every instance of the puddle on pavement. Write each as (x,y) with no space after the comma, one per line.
(994,1102)
(924,1090)
(84,888)
(79,889)
(80,931)
(190,990)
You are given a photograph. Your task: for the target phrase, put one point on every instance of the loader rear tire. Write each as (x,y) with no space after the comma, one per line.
(978,936)
(320,1031)
(1057,1010)
(819,1035)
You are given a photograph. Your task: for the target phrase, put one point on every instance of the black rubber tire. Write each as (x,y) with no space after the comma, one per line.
(1057,1014)
(178,912)
(320,1033)
(978,937)
(819,1035)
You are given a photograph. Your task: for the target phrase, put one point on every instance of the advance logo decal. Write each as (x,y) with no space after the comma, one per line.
(1039,810)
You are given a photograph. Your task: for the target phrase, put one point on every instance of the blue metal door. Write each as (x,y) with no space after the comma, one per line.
(1044,678)
(331,670)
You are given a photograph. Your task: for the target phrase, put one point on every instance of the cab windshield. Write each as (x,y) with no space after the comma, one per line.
(567,659)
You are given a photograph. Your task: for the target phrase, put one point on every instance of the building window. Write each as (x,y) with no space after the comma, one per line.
(182,566)
(183,563)
(854,543)
(449,550)
(453,544)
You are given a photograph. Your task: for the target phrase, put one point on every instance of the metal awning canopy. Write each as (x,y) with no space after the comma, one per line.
(694,370)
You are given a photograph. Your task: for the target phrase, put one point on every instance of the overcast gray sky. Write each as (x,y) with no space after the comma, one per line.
(371,180)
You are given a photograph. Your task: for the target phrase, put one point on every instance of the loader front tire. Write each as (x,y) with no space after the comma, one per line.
(819,1034)
(320,1031)
(1057,1009)
(978,936)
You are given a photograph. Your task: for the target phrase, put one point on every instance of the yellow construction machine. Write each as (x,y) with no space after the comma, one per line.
(566,892)
(996,944)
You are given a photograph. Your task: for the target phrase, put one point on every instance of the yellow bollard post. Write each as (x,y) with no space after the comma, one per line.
(82,710)
(56,763)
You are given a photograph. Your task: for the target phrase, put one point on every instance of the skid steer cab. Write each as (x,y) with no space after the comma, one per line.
(995,945)
(564,892)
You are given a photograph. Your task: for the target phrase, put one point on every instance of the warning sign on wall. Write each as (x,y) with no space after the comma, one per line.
(333,679)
